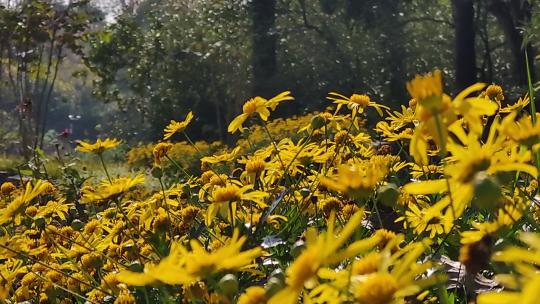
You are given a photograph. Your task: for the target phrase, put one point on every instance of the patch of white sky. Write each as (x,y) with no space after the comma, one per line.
(111,8)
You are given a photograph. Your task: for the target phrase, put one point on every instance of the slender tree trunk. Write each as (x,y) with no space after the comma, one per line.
(511,16)
(264,46)
(394,42)
(465,54)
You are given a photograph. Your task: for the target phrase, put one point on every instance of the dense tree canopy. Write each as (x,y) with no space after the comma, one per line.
(152,61)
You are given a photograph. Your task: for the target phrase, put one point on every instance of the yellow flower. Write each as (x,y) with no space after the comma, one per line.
(367,264)
(330,204)
(357,180)
(357,103)
(59,208)
(518,106)
(255,166)
(99,146)
(470,163)
(177,126)
(253,295)
(398,276)
(389,134)
(378,288)
(183,267)
(522,131)
(495,92)
(160,151)
(7,188)
(427,90)
(521,286)
(232,194)
(529,294)
(125,297)
(223,157)
(260,106)
(18,205)
(321,250)
(436,111)
(426,220)
(109,189)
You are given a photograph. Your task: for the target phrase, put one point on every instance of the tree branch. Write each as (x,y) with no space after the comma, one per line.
(429,19)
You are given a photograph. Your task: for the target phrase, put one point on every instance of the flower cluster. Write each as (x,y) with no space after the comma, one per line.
(425,207)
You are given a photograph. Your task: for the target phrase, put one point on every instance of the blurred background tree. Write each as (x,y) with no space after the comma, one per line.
(35,38)
(151,61)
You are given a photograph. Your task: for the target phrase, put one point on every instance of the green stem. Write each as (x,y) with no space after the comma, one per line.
(531,88)
(177,165)
(231,214)
(200,155)
(533,110)
(443,153)
(104,167)
(378,214)
(273,141)
(164,200)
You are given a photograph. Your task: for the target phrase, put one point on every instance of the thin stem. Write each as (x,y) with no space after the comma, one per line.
(104,167)
(201,156)
(443,153)
(231,214)
(53,269)
(273,141)
(164,200)
(63,288)
(378,213)
(533,109)
(177,165)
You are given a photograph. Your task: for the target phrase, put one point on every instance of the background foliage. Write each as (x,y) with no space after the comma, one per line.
(131,66)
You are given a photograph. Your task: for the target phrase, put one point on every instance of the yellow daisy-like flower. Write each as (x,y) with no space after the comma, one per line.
(357,103)
(160,151)
(322,250)
(223,157)
(436,112)
(357,180)
(398,276)
(108,189)
(183,267)
(494,93)
(253,295)
(260,106)
(426,220)
(99,146)
(177,126)
(472,162)
(522,285)
(7,188)
(522,131)
(19,203)
(378,288)
(427,89)
(518,106)
(233,194)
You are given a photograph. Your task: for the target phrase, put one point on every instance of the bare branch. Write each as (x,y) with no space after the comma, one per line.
(428,19)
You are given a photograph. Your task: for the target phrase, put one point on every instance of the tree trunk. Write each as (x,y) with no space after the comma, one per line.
(511,16)
(264,46)
(388,23)
(394,43)
(465,55)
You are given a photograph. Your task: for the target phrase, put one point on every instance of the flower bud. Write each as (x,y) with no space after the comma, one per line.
(317,122)
(228,284)
(77,225)
(487,191)
(273,286)
(388,194)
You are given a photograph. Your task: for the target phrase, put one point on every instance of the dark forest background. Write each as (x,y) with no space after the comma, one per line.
(82,69)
